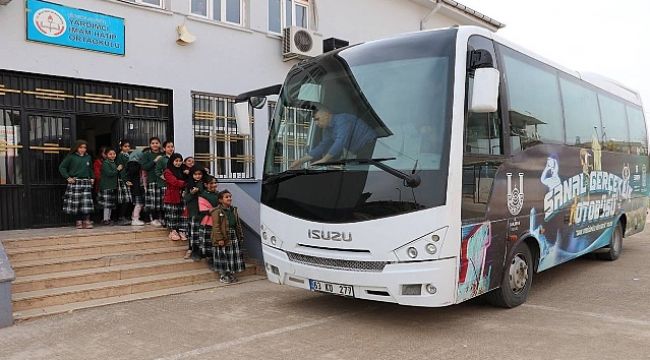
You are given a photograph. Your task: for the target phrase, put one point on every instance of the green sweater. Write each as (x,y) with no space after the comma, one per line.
(149,165)
(122,159)
(212,197)
(76,166)
(161,165)
(192,200)
(109,176)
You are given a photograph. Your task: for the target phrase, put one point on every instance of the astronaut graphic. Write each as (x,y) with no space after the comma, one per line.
(551,174)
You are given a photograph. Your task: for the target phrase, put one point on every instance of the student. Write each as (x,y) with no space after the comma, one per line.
(227,235)
(161,165)
(78,199)
(173,176)
(153,192)
(188,164)
(208,200)
(193,190)
(124,199)
(97,167)
(107,197)
(134,177)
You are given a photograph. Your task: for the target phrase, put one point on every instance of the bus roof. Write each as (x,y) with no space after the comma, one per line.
(602,82)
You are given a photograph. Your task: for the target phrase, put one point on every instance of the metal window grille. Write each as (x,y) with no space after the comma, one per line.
(218,145)
(10,148)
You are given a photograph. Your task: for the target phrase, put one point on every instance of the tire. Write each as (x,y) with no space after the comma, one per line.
(514,289)
(615,245)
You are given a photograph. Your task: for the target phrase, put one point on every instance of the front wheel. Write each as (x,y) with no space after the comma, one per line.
(615,245)
(517,279)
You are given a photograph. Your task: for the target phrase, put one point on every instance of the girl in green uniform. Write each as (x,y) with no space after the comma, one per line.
(76,168)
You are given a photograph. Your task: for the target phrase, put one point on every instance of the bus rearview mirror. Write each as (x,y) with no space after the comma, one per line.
(242,116)
(257,102)
(485,91)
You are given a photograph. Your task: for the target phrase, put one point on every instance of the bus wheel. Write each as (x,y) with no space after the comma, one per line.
(517,279)
(615,245)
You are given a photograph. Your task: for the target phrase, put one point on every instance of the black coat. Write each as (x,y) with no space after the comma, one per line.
(133,175)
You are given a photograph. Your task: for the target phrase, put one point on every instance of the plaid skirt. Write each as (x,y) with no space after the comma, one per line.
(173,218)
(78,198)
(107,199)
(123,193)
(204,241)
(153,197)
(228,259)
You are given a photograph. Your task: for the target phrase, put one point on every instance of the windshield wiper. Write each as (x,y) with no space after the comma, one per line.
(286,175)
(412,180)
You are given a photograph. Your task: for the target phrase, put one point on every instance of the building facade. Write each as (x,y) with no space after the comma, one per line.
(167,68)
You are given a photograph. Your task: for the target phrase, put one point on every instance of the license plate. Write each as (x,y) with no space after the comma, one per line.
(336,289)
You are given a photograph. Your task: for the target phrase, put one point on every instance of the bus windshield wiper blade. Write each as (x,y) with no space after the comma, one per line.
(411,180)
(289,174)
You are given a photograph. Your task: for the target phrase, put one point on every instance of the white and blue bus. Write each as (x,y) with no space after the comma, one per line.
(429,168)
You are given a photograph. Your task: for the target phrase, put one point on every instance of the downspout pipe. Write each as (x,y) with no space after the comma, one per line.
(430,14)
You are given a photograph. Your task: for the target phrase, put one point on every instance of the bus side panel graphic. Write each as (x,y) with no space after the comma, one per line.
(475,267)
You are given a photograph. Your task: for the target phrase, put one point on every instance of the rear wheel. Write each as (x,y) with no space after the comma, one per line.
(615,245)
(517,279)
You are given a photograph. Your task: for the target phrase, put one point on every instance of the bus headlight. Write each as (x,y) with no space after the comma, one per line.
(427,247)
(269,238)
(431,249)
(412,252)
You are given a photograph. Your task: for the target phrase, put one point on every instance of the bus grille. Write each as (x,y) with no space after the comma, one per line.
(349,265)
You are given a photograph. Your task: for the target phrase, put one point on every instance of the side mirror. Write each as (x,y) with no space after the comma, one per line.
(243,116)
(257,102)
(485,91)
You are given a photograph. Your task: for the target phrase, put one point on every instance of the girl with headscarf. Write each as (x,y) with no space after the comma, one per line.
(193,189)
(173,202)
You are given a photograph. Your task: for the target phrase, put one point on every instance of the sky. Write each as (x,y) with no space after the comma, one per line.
(611,38)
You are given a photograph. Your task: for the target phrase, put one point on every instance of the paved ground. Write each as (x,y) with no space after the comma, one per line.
(587,309)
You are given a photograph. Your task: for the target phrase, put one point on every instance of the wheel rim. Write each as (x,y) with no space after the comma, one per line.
(617,242)
(518,273)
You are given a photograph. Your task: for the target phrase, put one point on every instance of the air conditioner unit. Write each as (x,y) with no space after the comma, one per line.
(299,43)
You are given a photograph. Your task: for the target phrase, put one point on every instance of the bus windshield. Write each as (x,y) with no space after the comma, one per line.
(352,127)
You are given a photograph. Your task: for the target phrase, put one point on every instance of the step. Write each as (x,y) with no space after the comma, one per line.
(108,273)
(74,236)
(87,248)
(68,308)
(35,267)
(85,292)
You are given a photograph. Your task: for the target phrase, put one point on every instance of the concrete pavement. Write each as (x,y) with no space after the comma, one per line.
(586,309)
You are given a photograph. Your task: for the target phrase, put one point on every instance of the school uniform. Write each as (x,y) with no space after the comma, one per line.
(227,228)
(78,197)
(194,219)
(132,175)
(123,191)
(207,201)
(173,202)
(107,198)
(154,192)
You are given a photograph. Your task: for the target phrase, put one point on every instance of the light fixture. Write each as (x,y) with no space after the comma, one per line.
(435,238)
(431,289)
(431,249)
(412,252)
(274,240)
(265,236)
(185,37)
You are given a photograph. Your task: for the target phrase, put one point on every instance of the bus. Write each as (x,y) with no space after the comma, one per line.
(429,168)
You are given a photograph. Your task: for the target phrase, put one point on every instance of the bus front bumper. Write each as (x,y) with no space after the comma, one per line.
(393,284)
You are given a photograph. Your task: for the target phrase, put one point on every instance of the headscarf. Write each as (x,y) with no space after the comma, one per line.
(190,180)
(177,171)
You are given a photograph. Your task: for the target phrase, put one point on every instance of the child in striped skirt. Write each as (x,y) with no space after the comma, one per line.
(107,198)
(227,236)
(76,168)
(124,198)
(208,200)
(153,203)
(173,175)
(193,189)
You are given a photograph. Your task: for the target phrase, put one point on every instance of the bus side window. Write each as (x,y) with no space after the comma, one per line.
(483,149)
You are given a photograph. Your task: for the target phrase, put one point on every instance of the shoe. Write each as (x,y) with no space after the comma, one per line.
(224,279)
(79,224)
(137,223)
(173,235)
(126,222)
(183,236)
(156,223)
(188,254)
(232,278)
(107,222)
(88,224)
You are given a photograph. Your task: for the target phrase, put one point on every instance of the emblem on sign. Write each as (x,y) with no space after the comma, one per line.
(50,23)
(515,195)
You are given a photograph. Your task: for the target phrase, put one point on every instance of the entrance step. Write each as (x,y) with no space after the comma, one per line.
(67,308)
(60,270)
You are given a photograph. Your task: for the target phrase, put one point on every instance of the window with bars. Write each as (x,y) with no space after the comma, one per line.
(218,145)
(287,13)
(10,148)
(229,11)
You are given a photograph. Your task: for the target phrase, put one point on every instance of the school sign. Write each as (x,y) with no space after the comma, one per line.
(64,26)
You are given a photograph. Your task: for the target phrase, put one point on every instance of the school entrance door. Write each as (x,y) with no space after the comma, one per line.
(40,119)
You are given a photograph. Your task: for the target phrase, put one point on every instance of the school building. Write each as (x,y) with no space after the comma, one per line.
(103,70)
